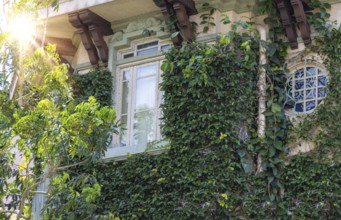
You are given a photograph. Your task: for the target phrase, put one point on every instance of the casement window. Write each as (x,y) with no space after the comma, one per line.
(308,88)
(139,104)
(138,97)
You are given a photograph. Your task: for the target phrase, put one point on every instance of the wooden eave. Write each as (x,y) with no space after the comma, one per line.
(293,14)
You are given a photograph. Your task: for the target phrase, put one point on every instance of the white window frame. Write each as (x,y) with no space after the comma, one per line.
(117,151)
(134,48)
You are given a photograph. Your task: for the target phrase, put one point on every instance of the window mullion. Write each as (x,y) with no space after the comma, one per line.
(132,105)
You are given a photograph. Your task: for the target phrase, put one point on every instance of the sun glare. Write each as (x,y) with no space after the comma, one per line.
(22,29)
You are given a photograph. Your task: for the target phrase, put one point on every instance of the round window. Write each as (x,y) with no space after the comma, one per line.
(308,88)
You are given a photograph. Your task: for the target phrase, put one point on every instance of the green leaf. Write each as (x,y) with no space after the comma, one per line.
(276,108)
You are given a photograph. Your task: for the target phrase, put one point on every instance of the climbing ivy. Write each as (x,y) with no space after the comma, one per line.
(209,119)
(97,82)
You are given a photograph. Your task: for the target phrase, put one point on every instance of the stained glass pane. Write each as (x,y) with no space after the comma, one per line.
(310,83)
(299,95)
(299,84)
(299,107)
(299,74)
(322,92)
(310,94)
(310,105)
(320,72)
(322,81)
(310,71)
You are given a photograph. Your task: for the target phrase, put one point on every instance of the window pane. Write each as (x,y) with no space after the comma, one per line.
(147,51)
(146,45)
(125,56)
(165,48)
(124,131)
(125,97)
(126,75)
(144,128)
(146,71)
(145,93)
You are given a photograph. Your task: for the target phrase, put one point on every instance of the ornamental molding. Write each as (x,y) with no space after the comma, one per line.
(143,24)
(135,30)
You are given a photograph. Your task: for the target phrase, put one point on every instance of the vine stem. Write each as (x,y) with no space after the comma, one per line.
(261,84)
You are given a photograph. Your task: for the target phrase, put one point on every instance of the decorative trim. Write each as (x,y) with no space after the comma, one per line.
(135,30)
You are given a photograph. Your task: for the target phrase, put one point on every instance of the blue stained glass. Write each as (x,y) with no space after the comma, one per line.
(310,71)
(299,95)
(310,94)
(322,81)
(299,107)
(310,105)
(299,84)
(320,72)
(299,73)
(310,82)
(322,92)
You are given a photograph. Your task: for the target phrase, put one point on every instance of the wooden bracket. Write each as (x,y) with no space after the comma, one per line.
(84,33)
(295,8)
(301,20)
(285,11)
(92,28)
(182,10)
(98,28)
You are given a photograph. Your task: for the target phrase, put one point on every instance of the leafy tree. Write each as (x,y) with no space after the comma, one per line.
(43,131)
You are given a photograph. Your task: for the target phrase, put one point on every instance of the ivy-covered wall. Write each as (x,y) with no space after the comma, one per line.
(216,165)
(209,170)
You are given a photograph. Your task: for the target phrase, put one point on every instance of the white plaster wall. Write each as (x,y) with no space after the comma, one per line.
(335,12)
(67,6)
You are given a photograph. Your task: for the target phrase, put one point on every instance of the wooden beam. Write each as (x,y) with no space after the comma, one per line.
(301,20)
(98,28)
(84,33)
(182,9)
